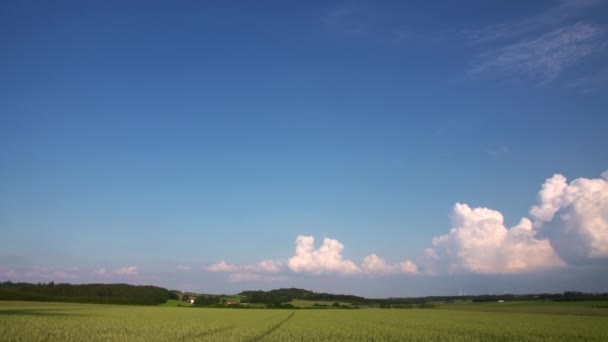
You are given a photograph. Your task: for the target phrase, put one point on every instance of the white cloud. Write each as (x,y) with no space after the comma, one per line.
(550,198)
(182,268)
(570,225)
(267,266)
(264,266)
(328,259)
(574,217)
(545,57)
(101,272)
(408,267)
(325,260)
(131,270)
(373,265)
(479,242)
(258,272)
(222,266)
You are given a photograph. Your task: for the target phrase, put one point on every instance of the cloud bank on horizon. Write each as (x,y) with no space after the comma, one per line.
(569,227)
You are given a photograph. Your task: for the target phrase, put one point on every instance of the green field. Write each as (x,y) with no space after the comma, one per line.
(585,308)
(32,321)
(176,303)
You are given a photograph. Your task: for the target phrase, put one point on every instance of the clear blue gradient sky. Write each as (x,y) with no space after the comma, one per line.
(147,141)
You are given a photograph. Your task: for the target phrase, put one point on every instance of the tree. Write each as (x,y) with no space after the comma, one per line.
(206,300)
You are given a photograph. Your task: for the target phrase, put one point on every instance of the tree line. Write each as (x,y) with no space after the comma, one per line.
(153,295)
(285,295)
(86,293)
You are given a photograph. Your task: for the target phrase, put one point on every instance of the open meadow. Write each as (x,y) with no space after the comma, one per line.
(33,321)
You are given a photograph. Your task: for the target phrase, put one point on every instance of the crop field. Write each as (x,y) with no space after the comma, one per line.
(32,321)
(585,308)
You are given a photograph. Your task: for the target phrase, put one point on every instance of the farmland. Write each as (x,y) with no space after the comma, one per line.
(32,321)
(585,308)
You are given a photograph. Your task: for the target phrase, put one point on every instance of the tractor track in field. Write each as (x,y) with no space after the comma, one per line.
(212,331)
(272,328)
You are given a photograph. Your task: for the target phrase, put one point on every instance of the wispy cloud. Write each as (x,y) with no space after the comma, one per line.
(346,20)
(368,22)
(264,271)
(564,11)
(127,271)
(539,48)
(37,274)
(591,83)
(543,58)
(495,152)
(264,266)
(183,268)
(8,273)
(102,272)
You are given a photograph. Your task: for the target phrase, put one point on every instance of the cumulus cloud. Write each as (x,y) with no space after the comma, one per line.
(373,265)
(569,225)
(574,217)
(479,242)
(550,198)
(128,271)
(327,259)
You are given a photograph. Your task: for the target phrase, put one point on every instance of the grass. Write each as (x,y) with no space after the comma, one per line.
(584,308)
(32,321)
(176,303)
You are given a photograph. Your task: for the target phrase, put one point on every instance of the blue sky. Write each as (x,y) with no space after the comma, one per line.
(213,146)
